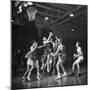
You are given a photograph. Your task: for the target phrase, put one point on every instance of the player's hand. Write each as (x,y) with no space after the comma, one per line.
(74,55)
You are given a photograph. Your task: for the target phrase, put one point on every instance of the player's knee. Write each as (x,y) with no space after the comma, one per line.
(57,64)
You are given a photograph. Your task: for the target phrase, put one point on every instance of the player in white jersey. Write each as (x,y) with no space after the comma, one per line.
(31,62)
(60,52)
(79,58)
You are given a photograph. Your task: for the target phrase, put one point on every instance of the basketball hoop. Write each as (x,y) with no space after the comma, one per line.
(31,11)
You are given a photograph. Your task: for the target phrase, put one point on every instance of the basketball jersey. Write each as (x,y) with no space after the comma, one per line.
(79,51)
(55,48)
(63,51)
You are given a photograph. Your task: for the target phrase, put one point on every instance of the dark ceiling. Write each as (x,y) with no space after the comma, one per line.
(57,14)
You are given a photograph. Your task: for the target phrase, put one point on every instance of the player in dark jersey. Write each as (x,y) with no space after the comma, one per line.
(55,46)
(46,45)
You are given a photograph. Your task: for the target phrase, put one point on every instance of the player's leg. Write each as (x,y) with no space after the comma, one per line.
(54,64)
(30,70)
(26,71)
(43,61)
(58,68)
(63,68)
(73,66)
(37,66)
(47,62)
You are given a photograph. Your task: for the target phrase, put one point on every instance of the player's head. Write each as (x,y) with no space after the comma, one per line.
(51,33)
(56,41)
(44,38)
(77,44)
(34,43)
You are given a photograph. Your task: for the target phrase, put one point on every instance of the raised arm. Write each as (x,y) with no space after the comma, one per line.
(33,48)
(57,39)
(41,46)
(52,43)
(49,37)
(28,54)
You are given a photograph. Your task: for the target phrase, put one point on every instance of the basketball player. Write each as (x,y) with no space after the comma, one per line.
(61,58)
(31,62)
(55,46)
(79,58)
(46,45)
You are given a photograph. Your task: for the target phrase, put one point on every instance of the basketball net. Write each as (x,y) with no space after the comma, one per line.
(31,11)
